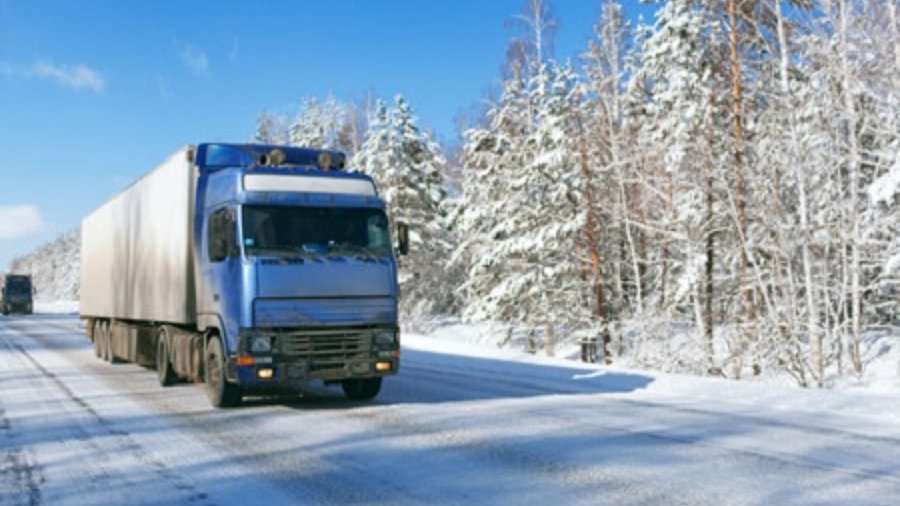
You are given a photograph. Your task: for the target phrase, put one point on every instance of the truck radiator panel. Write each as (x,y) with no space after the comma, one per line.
(315,312)
(327,350)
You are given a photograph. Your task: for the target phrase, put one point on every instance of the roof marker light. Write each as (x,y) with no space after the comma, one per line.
(324,160)
(277,157)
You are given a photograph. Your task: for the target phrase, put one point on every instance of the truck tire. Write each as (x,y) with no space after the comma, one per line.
(99,340)
(108,354)
(95,338)
(361,389)
(220,393)
(164,371)
(106,343)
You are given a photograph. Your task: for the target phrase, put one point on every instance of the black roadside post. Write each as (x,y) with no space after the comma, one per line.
(589,349)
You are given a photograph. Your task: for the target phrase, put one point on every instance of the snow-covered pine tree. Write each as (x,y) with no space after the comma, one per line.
(548,236)
(522,226)
(408,166)
(491,156)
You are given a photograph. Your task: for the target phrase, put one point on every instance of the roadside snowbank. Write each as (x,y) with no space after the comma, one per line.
(56,307)
(867,404)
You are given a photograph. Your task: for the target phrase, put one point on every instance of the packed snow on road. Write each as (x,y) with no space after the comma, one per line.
(462,423)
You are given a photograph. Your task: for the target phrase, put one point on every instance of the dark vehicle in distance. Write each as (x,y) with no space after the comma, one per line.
(16,294)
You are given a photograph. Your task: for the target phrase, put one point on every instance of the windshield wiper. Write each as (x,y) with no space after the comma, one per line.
(280,252)
(351,249)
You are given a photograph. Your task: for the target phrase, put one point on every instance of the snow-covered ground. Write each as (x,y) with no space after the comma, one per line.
(880,352)
(56,307)
(463,423)
(874,399)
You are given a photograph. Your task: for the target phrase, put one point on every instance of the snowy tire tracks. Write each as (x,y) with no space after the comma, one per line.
(20,477)
(659,422)
(105,428)
(218,429)
(453,431)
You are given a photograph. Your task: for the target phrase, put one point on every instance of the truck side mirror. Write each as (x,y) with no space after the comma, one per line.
(403,238)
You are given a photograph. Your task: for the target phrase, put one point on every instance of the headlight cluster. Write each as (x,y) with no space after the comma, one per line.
(261,344)
(386,337)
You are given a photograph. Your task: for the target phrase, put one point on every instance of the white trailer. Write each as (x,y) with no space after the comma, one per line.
(137,255)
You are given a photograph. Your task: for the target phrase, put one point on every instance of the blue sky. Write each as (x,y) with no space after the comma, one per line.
(95,93)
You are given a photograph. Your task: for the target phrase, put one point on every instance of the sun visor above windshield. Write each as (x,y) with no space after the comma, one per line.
(308,184)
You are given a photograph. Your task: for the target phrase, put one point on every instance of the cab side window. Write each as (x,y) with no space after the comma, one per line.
(221,232)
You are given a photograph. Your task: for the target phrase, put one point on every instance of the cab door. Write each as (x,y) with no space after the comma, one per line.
(221,272)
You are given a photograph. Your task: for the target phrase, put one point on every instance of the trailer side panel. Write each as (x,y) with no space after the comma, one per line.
(136,250)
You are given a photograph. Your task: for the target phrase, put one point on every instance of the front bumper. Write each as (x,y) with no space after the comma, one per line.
(18,307)
(299,356)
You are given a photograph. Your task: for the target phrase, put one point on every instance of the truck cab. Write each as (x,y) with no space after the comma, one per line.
(16,294)
(296,272)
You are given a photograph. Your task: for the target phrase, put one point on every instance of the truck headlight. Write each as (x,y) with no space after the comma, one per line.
(387,337)
(260,344)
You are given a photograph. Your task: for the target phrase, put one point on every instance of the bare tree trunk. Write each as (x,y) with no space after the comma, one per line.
(708,282)
(590,235)
(619,167)
(812,312)
(853,170)
(635,268)
(831,327)
(737,96)
(844,314)
(663,298)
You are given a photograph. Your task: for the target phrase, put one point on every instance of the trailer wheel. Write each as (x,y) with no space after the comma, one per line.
(108,355)
(164,371)
(221,394)
(95,334)
(99,339)
(361,389)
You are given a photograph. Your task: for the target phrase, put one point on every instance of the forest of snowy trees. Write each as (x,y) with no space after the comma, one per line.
(731,169)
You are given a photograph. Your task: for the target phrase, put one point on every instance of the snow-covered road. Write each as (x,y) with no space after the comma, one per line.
(449,429)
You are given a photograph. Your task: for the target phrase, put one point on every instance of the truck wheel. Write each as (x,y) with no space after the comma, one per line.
(361,389)
(107,344)
(164,371)
(221,394)
(99,340)
(106,339)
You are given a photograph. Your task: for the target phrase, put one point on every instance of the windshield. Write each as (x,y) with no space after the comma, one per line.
(16,285)
(315,231)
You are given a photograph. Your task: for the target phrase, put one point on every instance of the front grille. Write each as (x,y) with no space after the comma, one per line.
(327,349)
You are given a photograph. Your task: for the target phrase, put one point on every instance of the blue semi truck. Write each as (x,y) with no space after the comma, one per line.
(253,269)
